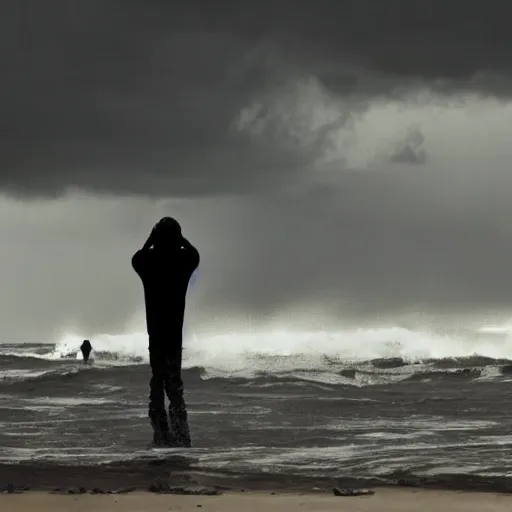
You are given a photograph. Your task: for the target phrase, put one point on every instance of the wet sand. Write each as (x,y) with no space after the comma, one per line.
(392,500)
(180,475)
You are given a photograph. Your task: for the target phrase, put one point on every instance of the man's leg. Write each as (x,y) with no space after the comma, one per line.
(179,429)
(157,413)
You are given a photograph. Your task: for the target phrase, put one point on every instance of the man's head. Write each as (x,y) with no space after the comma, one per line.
(167,231)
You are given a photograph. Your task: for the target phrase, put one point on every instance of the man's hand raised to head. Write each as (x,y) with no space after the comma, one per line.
(185,243)
(151,239)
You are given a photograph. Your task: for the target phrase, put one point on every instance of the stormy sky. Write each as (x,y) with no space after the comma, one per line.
(329,159)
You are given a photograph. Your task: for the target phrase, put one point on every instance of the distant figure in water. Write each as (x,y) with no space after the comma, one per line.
(86,349)
(165,265)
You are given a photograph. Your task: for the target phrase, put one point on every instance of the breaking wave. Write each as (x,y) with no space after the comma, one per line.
(352,356)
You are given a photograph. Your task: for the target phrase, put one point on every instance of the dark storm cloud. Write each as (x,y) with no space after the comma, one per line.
(184,99)
(141,96)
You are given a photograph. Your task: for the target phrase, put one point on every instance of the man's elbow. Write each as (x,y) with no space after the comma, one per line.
(194,258)
(136,261)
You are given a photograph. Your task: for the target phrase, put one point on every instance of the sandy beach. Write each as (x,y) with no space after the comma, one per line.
(395,500)
(171,485)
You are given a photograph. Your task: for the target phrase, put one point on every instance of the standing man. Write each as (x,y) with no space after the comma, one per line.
(86,349)
(165,265)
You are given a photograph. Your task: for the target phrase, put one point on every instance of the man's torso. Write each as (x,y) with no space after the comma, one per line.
(165,275)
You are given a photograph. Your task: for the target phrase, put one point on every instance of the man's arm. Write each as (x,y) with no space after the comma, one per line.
(150,241)
(191,254)
(139,259)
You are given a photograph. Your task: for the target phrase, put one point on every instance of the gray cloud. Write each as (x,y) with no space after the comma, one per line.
(340,157)
(410,148)
(330,253)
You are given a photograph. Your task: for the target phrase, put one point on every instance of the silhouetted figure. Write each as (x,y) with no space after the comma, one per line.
(165,265)
(86,349)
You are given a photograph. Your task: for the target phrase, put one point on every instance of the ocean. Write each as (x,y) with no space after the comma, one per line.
(355,403)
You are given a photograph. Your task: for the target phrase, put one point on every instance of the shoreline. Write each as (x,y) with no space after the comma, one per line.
(384,500)
(178,475)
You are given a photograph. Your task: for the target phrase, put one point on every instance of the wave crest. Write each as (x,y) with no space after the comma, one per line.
(338,355)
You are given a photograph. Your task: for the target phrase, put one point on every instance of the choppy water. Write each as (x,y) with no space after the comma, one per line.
(304,413)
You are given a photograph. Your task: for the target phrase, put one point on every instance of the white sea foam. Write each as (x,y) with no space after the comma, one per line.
(279,351)
(20,374)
